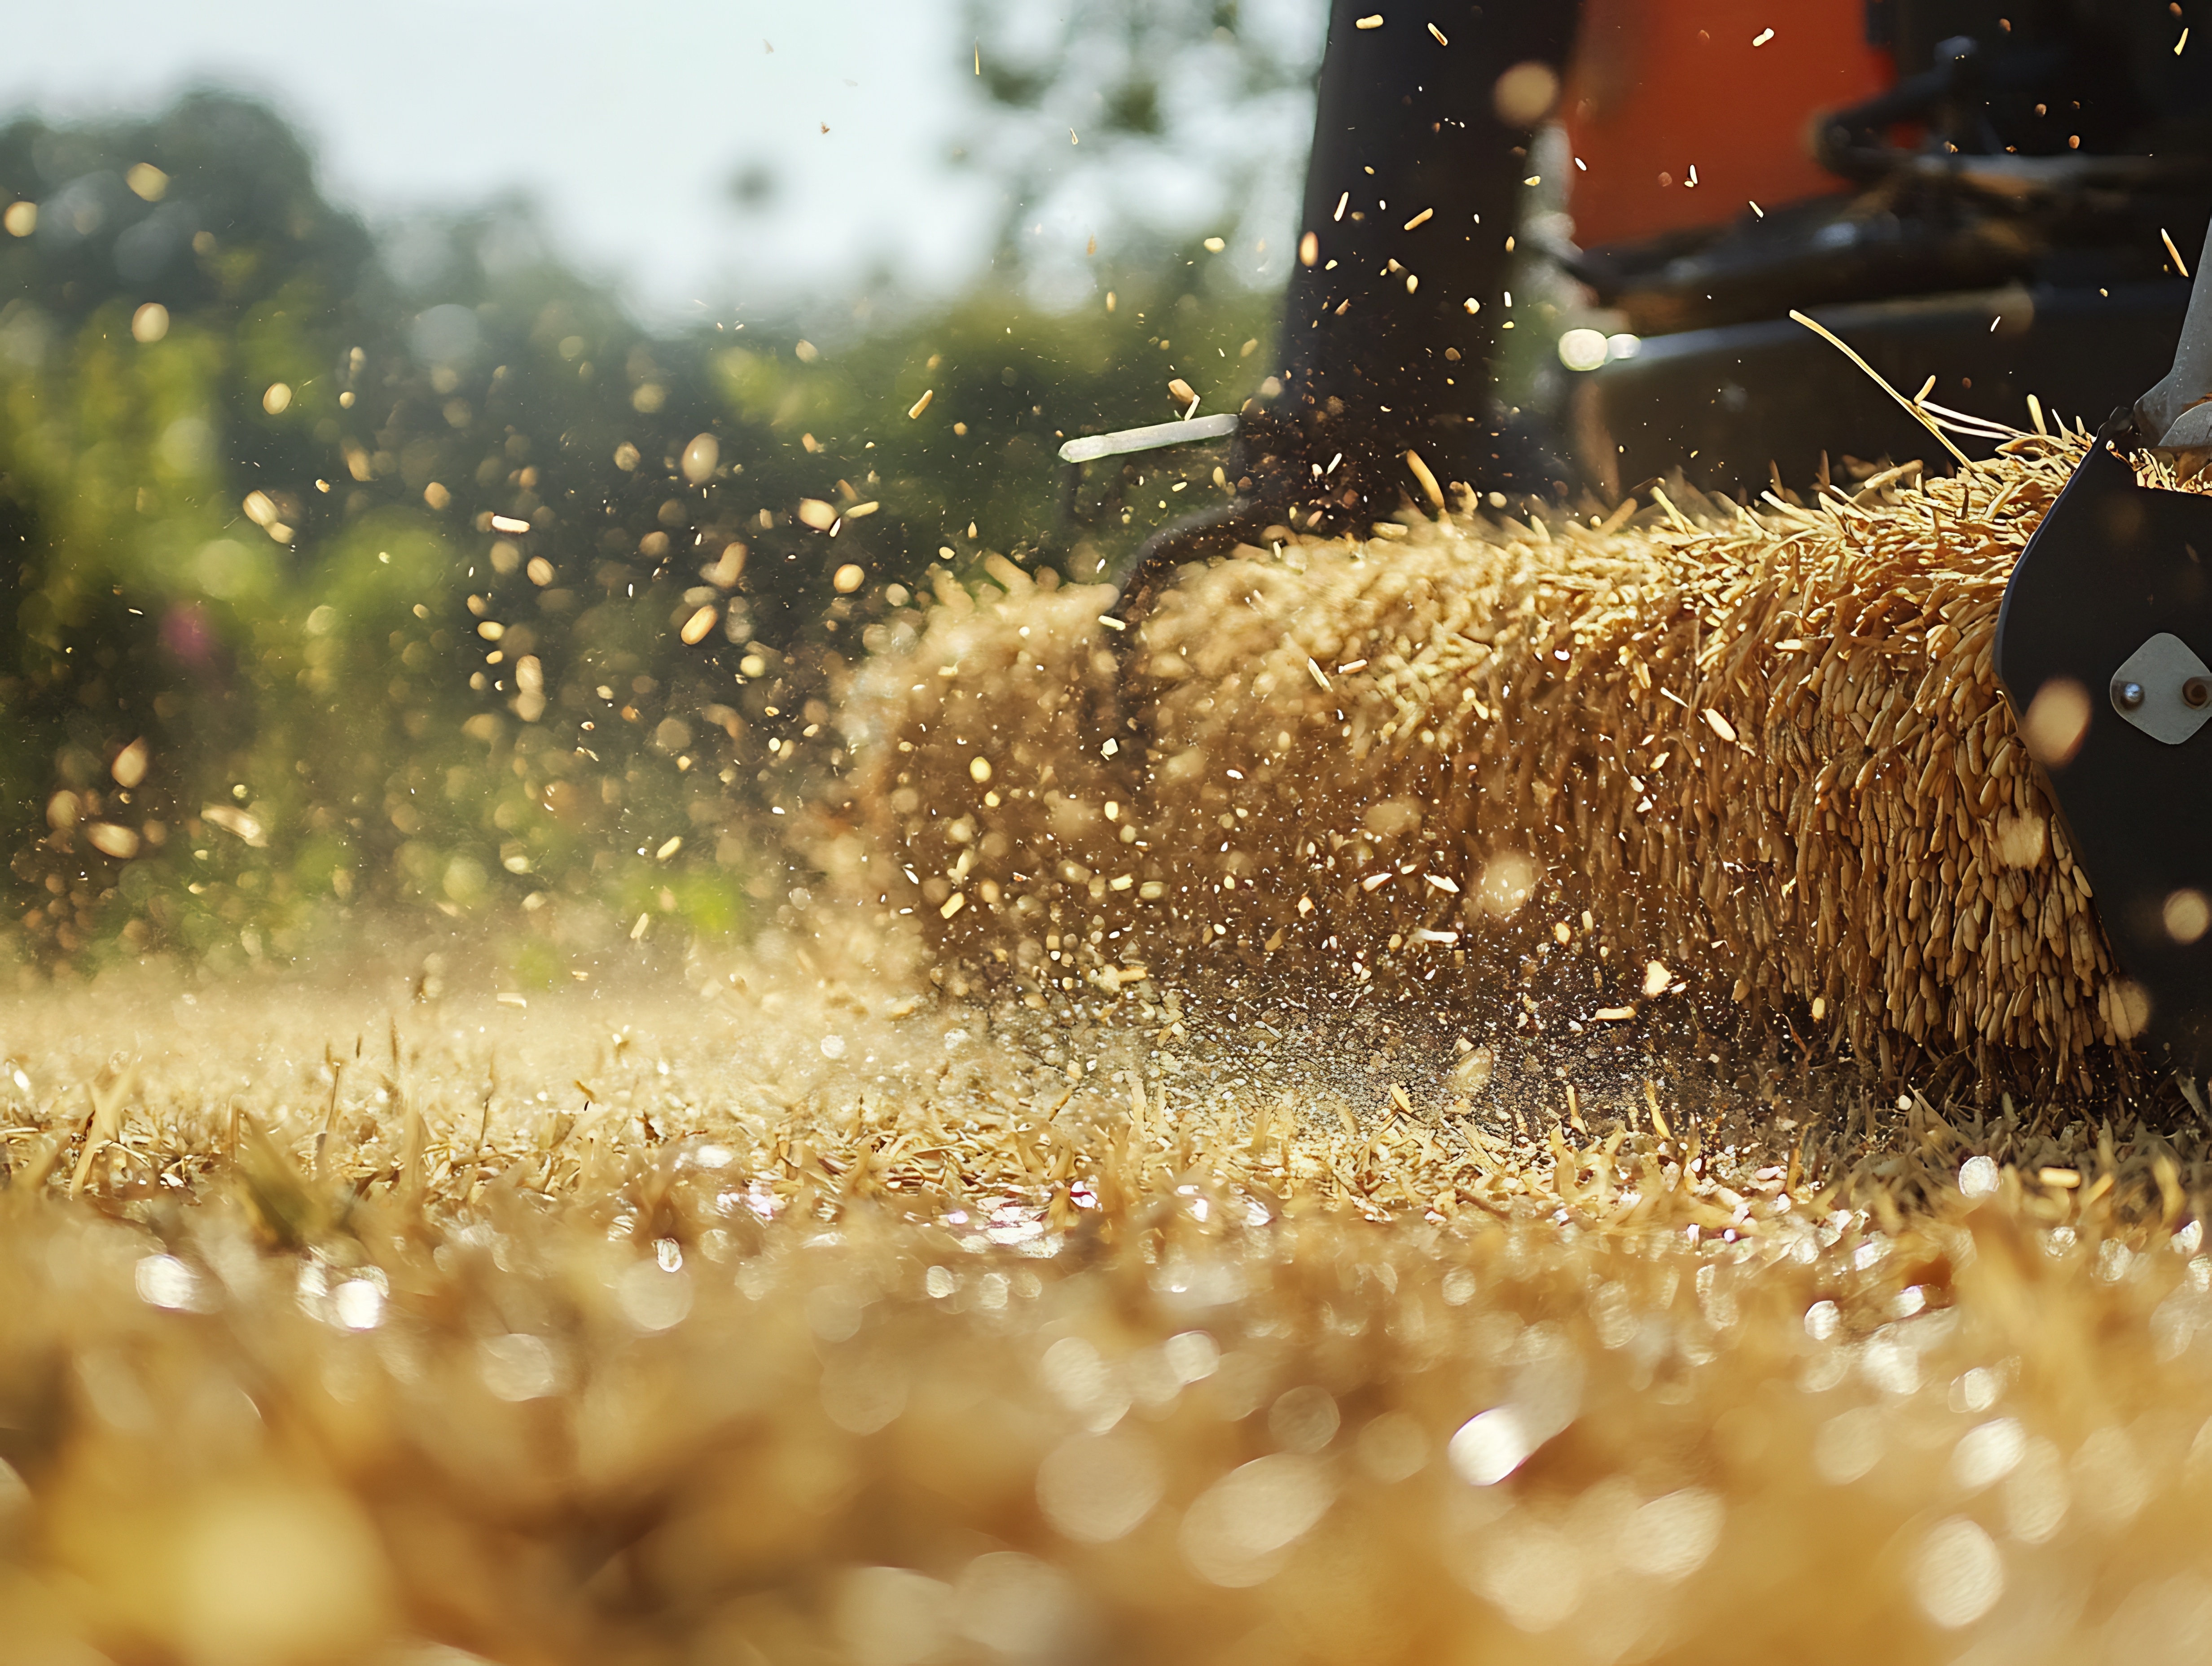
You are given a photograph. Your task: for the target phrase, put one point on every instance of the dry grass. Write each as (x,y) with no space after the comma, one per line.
(886,1297)
(918,1353)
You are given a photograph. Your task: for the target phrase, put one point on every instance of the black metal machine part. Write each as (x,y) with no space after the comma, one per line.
(2026,173)
(2025,242)
(2100,650)
(1413,188)
(2115,568)
(1733,406)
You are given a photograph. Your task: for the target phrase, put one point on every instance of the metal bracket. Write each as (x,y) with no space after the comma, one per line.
(1089,447)
(2176,414)
(2164,689)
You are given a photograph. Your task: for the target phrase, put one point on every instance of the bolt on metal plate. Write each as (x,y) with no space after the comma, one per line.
(2164,689)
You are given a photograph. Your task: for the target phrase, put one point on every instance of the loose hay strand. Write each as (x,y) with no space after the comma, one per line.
(1912,406)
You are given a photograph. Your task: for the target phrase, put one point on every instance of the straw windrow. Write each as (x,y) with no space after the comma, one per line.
(1764,748)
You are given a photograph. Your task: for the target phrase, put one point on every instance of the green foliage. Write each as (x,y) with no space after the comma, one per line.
(253,543)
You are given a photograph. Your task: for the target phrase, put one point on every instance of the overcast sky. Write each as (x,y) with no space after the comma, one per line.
(627,124)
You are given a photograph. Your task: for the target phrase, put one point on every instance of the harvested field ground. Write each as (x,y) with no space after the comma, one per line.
(886,1297)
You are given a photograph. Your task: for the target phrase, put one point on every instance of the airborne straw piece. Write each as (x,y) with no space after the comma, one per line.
(1434,492)
(1912,407)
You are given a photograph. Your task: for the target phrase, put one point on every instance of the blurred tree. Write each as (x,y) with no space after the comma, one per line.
(429,578)
(256,671)
(1093,113)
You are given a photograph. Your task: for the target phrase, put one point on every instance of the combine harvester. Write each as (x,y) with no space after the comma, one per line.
(1851,763)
